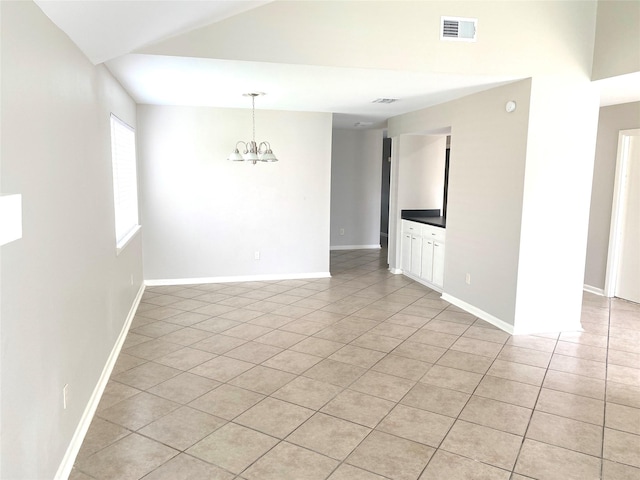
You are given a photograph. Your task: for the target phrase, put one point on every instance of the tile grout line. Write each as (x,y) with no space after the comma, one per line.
(606,382)
(524,435)
(372,298)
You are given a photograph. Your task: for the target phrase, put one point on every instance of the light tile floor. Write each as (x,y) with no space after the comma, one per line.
(366,375)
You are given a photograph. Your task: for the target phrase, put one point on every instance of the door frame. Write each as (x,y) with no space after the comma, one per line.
(617,210)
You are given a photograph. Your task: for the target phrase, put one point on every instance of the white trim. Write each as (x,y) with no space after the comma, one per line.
(617,210)
(594,290)
(424,282)
(554,327)
(487,317)
(64,470)
(539,327)
(238,278)
(126,239)
(396,271)
(355,247)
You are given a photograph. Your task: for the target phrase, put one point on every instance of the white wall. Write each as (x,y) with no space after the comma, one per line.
(485,198)
(356,177)
(557,190)
(65,295)
(612,119)
(421,180)
(204,217)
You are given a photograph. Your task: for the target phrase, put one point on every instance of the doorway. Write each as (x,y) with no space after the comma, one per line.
(623,265)
(384,192)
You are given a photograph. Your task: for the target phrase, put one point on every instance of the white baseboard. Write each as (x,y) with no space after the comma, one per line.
(395,271)
(232,279)
(422,281)
(355,247)
(553,326)
(64,470)
(487,317)
(595,290)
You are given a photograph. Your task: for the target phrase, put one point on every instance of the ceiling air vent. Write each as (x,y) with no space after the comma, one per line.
(458,29)
(385,100)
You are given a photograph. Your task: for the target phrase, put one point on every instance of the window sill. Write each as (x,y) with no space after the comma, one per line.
(120,246)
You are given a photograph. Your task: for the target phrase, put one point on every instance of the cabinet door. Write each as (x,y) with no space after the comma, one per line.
(416,255)
(406,252)
(438,263)
(427,259)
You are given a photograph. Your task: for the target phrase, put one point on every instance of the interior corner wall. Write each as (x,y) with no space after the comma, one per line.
(355,188)
(65,294)
(555,216)
(616,50)
(612,119)
(204,218)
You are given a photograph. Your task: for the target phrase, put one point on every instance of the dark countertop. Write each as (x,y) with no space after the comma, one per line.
(435,221)
(428,217)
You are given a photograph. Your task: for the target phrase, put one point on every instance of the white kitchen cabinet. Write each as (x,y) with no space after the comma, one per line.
(406,251)
(433,239)
(438,263)
(416,254)
(423,248)
(411,248)
(427,259)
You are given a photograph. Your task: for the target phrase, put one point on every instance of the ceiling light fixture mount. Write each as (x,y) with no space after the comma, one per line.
(253,152)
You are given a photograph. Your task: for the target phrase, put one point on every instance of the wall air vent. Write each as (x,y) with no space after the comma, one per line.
(458,29)
(385,100)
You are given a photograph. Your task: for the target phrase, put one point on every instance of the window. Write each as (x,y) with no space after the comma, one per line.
(125,183)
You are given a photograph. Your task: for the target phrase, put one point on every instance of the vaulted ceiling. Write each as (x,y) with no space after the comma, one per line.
(336,57)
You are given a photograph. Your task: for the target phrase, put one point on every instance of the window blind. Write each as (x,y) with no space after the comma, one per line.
(125,184)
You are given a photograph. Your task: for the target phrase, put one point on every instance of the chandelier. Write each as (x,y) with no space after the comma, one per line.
(253,152)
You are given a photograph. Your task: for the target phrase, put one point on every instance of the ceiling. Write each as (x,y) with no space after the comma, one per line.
(110,31)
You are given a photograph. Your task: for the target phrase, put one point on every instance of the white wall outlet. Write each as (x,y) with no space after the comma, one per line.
(65,396)
(342,231)
(132,279)
(468,279)
(256,255)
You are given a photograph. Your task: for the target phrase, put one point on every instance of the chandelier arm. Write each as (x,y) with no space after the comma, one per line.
(243,143)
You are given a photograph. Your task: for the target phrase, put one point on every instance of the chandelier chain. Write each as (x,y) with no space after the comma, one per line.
(253,109)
